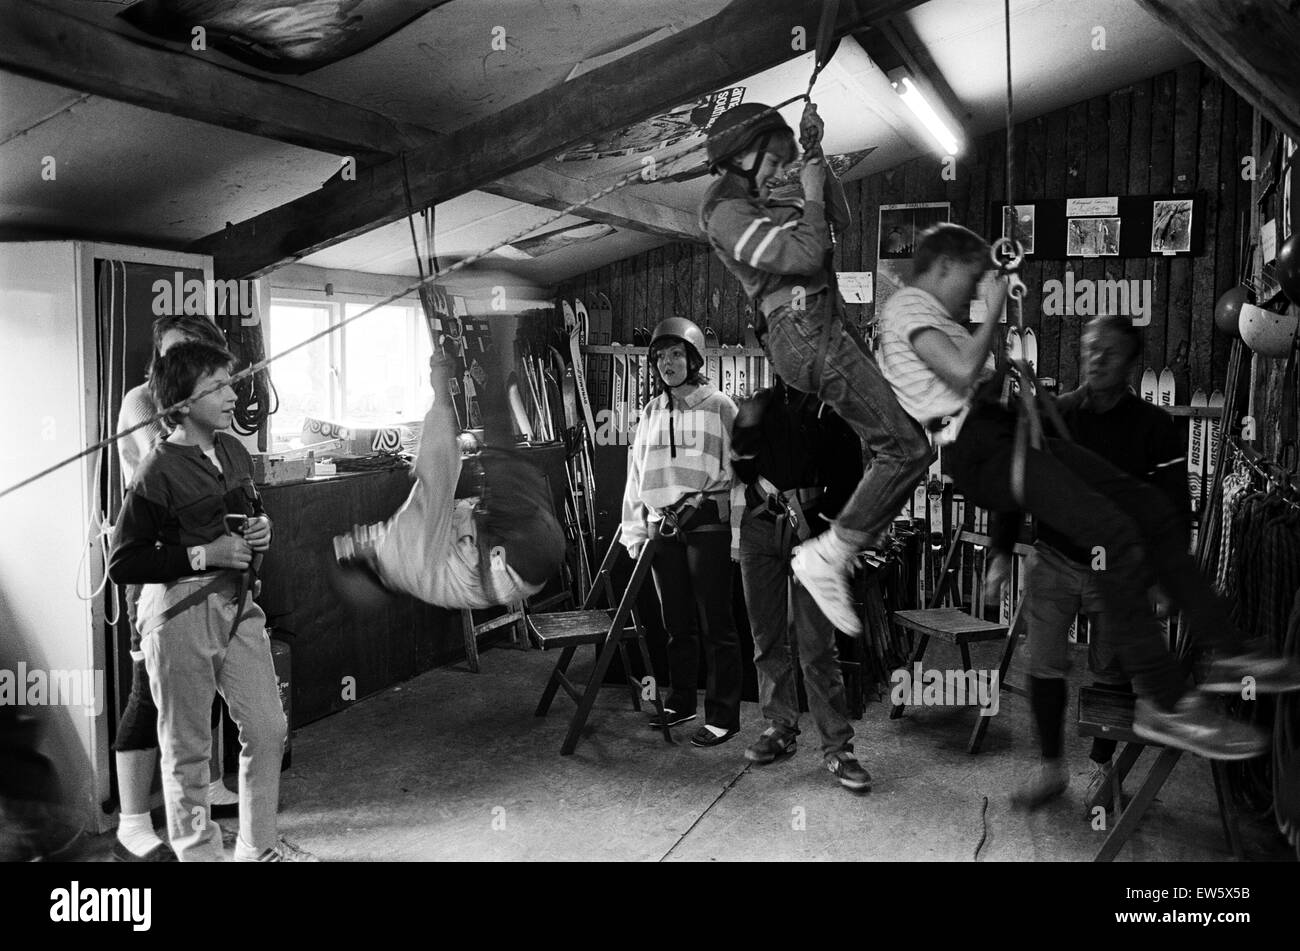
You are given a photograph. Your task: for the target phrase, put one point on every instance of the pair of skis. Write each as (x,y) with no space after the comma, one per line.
(631,385)
(580,430)
(1202,436)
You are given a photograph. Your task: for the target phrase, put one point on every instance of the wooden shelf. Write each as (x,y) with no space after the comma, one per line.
(1200,412)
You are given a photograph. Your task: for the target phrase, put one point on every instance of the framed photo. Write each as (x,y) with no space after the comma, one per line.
(1171,225)
(1024,221)
(1092,237)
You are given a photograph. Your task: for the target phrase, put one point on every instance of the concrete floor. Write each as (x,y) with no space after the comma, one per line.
(453,765)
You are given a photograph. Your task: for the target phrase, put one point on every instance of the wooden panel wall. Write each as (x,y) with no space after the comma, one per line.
(1184,131)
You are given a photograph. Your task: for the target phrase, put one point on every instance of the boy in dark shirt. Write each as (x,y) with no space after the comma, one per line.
(1104,417)
(200,631)
(799,462)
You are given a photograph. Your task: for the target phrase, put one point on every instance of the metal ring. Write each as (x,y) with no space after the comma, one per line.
(1016,288)
(1007,255)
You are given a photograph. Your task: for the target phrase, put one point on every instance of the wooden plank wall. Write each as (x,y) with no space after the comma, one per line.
(1182,131)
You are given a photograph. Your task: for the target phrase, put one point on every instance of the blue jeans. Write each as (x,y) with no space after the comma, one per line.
(853,386)
(764,567)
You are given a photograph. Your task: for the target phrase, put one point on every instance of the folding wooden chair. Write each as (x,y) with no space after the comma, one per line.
(961,627)
(603,628)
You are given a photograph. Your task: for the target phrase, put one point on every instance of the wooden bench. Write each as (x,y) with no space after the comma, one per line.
(1109,714)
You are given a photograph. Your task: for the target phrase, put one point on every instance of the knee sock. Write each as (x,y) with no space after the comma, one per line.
(1047,697)
(136,833)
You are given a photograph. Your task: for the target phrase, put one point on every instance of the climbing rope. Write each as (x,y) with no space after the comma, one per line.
(825,40)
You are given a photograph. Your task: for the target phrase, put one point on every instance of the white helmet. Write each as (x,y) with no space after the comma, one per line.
(1267,333)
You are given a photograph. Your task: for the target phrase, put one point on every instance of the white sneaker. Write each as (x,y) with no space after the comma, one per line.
(821,569)
(284,851)
(1196,726)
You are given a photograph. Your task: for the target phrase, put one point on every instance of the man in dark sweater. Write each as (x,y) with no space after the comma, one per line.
(800,463)
(1105,417)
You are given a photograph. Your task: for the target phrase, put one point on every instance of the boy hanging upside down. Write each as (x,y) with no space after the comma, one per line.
(1131,528)
(497,547)
(777,249)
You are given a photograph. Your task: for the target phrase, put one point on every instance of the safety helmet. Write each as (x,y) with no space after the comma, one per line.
(739,128)
(1267,333)
(679,328)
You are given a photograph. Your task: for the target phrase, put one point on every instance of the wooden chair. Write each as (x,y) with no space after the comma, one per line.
(1109,714)
(961,628)
(605,629)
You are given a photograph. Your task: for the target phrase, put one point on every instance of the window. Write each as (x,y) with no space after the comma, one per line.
(371,372)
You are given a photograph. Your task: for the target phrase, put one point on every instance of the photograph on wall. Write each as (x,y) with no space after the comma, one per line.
(1024,221)
(1171,225)
(1092,237)
(901,225)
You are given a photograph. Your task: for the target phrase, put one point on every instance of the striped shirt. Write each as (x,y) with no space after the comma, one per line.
(677,453)
(920,391)
(768,244)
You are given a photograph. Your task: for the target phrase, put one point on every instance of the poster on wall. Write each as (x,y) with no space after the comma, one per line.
(900,227)
(1024,220)
(276,36)
(1092,237)
(1171,225)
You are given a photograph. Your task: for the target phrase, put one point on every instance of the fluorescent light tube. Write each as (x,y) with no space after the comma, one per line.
(919,105)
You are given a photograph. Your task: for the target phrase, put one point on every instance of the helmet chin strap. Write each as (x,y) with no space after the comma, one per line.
(750,175)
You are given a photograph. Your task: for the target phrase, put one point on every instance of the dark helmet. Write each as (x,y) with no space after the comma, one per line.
(679,328)
(739,128)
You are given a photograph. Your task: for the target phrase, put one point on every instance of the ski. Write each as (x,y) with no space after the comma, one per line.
(1196,432)
(1148,386)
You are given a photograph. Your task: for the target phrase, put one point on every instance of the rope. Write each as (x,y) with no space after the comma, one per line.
(418,286)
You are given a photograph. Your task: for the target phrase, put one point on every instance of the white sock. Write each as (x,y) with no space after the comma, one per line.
(715,730)
(136,834)
(219,795)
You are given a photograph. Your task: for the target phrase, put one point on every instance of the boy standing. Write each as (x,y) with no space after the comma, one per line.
(778,250)
(799,462)
(200,630)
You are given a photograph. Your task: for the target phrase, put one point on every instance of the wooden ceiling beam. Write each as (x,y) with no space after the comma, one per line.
(1252,44)
(745,38)
(47,44)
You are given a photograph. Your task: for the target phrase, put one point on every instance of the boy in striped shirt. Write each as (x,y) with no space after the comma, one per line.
(779,250)
(1130,528)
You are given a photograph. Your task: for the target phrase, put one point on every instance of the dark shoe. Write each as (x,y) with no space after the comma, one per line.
(162,852)
(706,737)
(771,746)
(1194,725)
(1052,780)
(846,768)
(674,718)
(1267,672)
